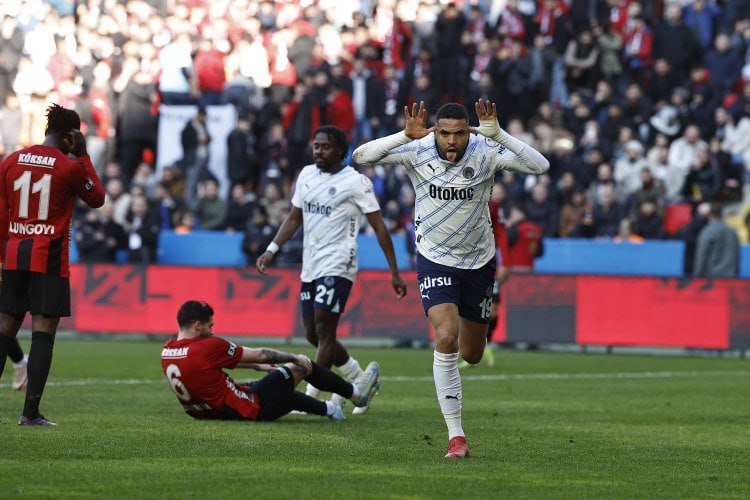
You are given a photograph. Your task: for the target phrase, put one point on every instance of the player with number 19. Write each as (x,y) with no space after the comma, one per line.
(329,200)
(38,187)
(452,167)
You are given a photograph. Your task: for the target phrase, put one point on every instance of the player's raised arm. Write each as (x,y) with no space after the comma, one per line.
(88,187)
(528,160)
(291,224)
(382,150)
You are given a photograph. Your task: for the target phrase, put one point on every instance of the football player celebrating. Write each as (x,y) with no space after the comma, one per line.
(452,167)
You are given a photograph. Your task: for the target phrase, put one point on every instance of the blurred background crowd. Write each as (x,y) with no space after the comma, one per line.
(643,108)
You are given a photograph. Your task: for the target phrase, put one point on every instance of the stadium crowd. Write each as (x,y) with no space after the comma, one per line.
(642,108)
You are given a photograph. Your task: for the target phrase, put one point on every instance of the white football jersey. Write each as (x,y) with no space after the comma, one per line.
(452,217)
(332,206)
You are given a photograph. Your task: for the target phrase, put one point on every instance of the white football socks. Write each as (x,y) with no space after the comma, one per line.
(448,388)
(351,369)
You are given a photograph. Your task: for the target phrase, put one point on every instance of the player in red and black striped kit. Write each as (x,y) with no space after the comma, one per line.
(38,187)
(194,365)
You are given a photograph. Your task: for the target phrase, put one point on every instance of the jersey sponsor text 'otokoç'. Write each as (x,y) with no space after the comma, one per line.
(332,206)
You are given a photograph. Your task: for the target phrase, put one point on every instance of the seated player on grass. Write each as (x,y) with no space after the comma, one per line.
(193,364)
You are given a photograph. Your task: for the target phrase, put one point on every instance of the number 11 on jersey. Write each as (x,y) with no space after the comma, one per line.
(42,186)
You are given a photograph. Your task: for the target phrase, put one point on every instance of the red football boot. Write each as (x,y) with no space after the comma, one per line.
(457,448)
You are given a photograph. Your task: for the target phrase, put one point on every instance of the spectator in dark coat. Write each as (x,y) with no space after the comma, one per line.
(703,180)
(449,27)
(241,206)
(142,229)
(689,235)
(674,41)
(542,210)
(170,207)
(607,213)
(717,253)
(98,237)
(137,125)
(242,159)
(195,141)
(258,234)
(662,81)
(724,64)
(648,223)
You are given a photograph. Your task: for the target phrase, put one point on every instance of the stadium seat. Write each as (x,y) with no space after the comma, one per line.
(676,216)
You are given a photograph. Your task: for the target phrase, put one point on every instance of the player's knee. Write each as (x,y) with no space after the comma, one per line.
(472,357)
(298,372)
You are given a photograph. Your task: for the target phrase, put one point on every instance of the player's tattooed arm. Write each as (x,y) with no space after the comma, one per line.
(273,356)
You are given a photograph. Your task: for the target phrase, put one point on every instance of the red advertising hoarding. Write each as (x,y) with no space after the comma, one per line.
(709,314)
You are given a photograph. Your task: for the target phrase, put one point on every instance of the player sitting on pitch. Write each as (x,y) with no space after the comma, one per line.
(194,362)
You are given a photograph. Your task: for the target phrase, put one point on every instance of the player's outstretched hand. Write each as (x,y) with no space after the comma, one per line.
(399,286)
(416,121)
(262,261)
(487,114)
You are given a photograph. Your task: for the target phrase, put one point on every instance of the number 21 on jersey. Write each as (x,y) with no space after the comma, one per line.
(42,186)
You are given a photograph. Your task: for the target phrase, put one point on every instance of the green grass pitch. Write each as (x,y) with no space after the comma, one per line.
(540,425)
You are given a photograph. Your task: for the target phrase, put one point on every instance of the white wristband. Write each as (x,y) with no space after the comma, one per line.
(273,247)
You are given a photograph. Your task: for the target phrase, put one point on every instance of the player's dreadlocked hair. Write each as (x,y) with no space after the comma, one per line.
(337,136)
(61,120)
(452,111)
(192,311)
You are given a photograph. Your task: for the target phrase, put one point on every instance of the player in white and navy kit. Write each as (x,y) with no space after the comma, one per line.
(328,201)
(452,167)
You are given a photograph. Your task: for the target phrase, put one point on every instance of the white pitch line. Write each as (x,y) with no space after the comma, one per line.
(496,377)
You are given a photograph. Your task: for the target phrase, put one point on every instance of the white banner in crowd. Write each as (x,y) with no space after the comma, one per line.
(221,120)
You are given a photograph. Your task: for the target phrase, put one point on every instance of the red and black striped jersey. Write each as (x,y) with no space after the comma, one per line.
(38,186)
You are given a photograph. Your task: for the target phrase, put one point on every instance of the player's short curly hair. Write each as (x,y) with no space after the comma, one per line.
(61,120)
(192,311)
(336,135)
(452,111)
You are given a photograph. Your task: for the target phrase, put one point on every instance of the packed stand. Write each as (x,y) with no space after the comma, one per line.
(642,108)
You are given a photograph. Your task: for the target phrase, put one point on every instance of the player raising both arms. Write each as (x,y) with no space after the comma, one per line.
(329,200)
(452,171)
(193,365)
(38,186)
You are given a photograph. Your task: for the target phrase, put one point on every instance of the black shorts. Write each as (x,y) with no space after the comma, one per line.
(37,293)
(274,392)
(469,289)
(329,293)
